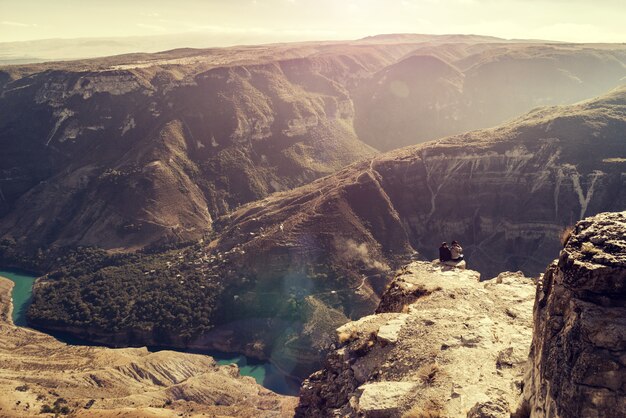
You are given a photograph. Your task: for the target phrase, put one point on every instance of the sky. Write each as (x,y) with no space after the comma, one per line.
(260,21)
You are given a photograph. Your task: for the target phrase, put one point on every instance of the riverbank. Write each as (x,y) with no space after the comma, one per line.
(6,307)
(21,294)
(37,370)
(264,372)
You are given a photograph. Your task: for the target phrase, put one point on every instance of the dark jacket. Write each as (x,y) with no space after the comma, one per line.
(444,254)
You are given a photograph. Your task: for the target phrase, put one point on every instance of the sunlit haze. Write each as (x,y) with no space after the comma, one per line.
(259,21)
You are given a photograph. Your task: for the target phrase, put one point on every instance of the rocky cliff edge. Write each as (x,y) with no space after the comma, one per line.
(578,355)
(444,344)
(441,344)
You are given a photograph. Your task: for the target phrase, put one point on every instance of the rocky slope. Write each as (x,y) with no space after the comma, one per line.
(506,193)
(128,151)
(38,371)
(576,365)
(442,344)
(124,158)
(288,269)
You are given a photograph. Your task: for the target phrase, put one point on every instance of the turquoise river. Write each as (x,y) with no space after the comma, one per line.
(264,373)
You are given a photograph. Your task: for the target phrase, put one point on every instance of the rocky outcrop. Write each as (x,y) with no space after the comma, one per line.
(443,343)
(577,362)
(40,374)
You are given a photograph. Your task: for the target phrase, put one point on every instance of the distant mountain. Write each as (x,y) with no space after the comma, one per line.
(420,96)
(439,90)
(284,271)
(426,38)
(41,50)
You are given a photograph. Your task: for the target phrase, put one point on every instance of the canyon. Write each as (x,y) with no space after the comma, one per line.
(283,272)
(284,202)
(408,359)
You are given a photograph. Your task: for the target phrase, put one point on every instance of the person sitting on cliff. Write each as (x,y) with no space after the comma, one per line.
(456,251)
(444,252)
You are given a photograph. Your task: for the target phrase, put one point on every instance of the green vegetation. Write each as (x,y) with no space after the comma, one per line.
(156,296)
(138,292)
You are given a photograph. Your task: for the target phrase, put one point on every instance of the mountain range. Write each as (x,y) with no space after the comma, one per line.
(136,150)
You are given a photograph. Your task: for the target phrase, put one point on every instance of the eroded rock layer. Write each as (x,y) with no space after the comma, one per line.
(577,362)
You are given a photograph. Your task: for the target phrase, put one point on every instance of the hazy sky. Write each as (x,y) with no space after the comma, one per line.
(250,21)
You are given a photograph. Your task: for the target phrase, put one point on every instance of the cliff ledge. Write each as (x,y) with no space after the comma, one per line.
(441,343)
